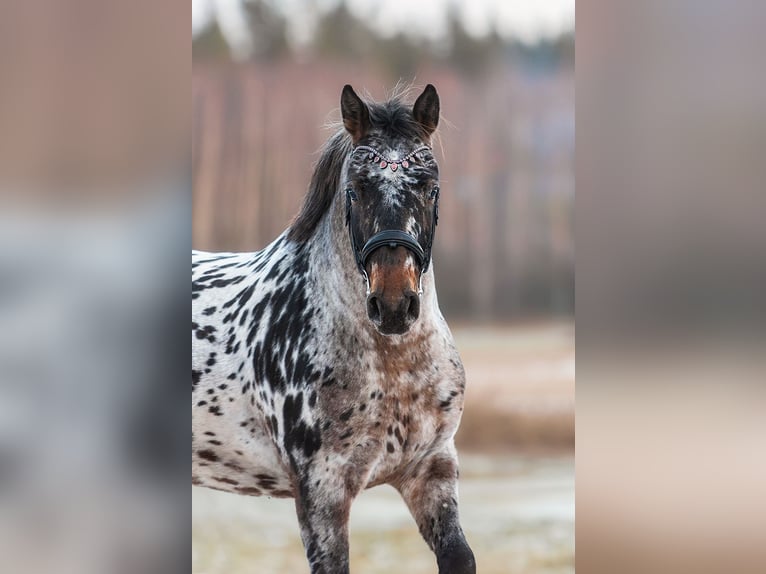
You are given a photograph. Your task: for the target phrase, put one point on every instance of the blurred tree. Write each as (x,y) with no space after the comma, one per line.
(268,30)
(210,43)
(340,35)
(400,56)
(546,53)
(472,56)
(564,47)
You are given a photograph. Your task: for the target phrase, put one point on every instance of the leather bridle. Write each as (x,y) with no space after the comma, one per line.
(392,238)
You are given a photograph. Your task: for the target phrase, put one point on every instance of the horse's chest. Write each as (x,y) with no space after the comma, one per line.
(411,414)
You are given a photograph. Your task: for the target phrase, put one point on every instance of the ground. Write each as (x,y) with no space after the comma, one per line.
(516,484)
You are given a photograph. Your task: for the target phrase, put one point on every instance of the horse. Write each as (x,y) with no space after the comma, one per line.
(322,365)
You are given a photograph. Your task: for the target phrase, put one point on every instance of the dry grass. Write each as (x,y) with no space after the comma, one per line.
(518,515)
(520,388)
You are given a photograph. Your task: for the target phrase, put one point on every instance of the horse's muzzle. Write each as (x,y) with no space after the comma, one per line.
(393,315)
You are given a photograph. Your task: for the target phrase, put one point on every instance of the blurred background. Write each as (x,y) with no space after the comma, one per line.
(95,205)
(671,401)
(95,179)
(266,79)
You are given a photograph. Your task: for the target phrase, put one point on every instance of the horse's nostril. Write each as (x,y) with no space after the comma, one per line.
(413,306)
(395,316)
(373,308)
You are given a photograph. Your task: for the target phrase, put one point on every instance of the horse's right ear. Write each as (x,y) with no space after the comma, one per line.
(426,110)
(356,116)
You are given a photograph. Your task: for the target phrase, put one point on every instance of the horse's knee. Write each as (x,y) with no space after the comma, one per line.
(456,558)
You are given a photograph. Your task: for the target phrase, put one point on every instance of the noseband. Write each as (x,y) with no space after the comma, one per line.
(392,238)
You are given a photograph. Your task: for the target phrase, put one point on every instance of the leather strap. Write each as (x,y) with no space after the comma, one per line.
(393,238)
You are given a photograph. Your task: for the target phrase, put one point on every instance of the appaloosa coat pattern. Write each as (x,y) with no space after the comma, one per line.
(316,372)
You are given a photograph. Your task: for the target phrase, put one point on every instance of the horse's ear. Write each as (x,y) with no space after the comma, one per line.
(426,109)
(356,116)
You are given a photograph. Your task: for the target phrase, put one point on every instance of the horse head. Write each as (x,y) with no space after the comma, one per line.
(391,185)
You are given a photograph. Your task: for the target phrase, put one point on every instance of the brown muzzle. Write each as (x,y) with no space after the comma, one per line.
(393,304)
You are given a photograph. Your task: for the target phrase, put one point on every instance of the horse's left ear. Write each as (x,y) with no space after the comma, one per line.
(426,109)
(356,115)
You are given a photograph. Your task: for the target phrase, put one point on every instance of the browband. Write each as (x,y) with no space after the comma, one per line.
(383,161)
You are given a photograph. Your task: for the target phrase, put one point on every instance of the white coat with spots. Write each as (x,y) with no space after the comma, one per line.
(306,382)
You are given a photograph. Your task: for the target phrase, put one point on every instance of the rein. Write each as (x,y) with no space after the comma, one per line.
(392,237)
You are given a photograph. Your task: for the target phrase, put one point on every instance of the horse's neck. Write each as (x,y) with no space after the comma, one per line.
(333,265)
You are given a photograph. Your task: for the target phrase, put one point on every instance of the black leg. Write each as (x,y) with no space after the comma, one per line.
(324,531)
(430,492)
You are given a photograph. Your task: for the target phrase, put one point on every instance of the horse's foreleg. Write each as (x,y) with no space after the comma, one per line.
(430,492)
(323,518)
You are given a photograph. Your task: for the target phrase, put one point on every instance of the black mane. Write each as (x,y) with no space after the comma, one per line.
(391,119)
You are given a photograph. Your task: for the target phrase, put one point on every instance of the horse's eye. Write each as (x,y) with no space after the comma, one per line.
(435,192)
(352,194)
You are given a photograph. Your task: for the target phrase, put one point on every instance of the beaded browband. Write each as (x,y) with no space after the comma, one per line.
(376,157)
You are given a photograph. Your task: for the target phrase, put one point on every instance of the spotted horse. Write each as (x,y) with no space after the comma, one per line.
(322,364)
